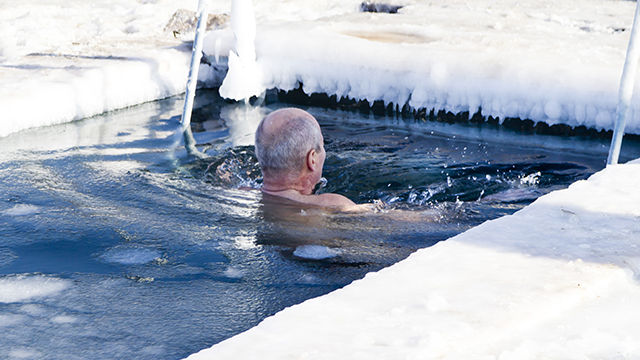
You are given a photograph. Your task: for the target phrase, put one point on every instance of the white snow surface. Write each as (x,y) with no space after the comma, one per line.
(551,61)
(556,280)
(66,60)
(559,62)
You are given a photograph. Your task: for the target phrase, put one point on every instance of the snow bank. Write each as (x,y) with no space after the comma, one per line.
(556,62)
(63,62)
(546,61)
(53,89)
(556,280)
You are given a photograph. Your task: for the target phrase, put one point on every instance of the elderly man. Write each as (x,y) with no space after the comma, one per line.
(290,150)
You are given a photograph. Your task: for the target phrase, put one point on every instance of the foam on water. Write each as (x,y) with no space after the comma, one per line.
(33,309)
(20,288)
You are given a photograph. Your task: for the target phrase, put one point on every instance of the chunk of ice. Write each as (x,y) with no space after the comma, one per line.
(22,210)
(24,287)
(234,272)
(131,256)
(316,252)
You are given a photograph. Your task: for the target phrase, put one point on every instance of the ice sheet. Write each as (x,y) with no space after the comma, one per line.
(552,62)
(548,61)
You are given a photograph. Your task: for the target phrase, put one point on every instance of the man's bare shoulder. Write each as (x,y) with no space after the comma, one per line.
(330,199)
(322,200)
(342,203)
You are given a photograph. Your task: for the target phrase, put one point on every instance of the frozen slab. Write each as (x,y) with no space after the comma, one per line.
(22,210)
(131,255)
(18,288)
(557,280)
(47,89)
(316,252)
(548,61)
(60,63)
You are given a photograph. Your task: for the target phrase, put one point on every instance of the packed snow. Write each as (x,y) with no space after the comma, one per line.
(557,280)
(556,62)
(61,62)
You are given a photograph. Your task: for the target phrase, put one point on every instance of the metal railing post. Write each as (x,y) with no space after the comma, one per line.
(192,80)
(626,91)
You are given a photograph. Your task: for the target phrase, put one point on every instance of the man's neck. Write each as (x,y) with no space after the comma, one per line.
(301,185)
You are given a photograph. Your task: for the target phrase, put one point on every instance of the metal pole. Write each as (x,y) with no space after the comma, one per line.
(192,81)
(626,90)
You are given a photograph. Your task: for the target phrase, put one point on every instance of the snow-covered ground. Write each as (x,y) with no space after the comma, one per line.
(64,61)
(556,280)
(551,61)
(557,62)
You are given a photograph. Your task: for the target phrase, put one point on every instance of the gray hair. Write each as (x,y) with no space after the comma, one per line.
(285,151)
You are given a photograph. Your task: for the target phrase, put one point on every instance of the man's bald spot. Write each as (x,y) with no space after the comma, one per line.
(279,118)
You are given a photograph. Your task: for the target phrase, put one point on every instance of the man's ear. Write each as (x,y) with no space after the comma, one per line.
(311,160)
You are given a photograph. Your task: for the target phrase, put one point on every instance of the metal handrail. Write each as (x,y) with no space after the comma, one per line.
(626,91)
(192,80)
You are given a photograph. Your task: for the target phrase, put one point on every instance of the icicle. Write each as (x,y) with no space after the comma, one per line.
(244,79)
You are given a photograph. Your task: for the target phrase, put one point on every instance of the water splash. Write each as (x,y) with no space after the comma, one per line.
(323,182)
(237,167)
(531,179)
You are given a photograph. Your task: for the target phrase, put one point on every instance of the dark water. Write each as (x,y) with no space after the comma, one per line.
(116,244)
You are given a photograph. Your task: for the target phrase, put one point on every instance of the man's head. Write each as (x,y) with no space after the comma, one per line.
(287,140)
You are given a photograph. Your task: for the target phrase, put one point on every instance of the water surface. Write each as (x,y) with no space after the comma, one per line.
(114,243)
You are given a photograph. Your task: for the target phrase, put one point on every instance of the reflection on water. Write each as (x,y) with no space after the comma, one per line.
(116,244)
